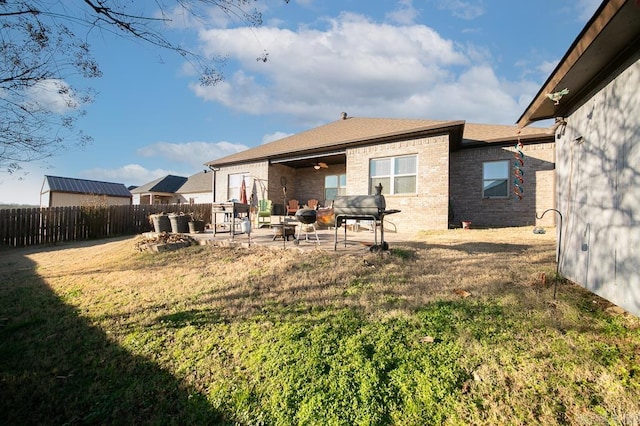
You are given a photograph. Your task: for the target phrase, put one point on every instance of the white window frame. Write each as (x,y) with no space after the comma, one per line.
(486,179)
(340,190)
(393,175)
(231,189)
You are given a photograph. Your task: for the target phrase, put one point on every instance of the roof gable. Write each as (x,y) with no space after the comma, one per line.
(199,182)
(85,186)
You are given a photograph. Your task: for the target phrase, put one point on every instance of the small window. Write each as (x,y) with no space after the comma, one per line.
(397,175)
(495,179)
(334,186)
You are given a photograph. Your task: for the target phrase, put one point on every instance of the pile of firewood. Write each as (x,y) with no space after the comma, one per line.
(164,242)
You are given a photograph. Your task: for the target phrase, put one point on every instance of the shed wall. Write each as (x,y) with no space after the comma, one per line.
(64,199)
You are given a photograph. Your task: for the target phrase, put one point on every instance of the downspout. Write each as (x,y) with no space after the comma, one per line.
(213,191)
(213,185)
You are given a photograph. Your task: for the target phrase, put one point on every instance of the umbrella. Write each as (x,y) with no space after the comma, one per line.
(243,192)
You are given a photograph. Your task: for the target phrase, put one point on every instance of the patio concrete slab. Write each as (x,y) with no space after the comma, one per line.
(356,240)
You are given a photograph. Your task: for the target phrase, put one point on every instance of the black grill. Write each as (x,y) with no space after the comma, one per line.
(362,207)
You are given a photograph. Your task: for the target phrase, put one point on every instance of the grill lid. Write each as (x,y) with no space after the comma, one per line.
(306,216)
(370,205)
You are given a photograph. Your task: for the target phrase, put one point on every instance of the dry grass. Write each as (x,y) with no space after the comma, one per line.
(483,299)
(240,282)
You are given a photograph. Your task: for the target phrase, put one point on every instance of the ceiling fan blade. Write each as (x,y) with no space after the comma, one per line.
(323,165)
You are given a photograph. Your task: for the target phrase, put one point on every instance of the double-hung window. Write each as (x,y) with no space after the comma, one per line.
(396,174)
(334,185)
(495,179)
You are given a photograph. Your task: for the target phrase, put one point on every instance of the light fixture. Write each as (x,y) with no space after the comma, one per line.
(320,165)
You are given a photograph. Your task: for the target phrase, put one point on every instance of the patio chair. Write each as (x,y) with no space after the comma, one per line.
(312,204)
(264,212)
(293,206)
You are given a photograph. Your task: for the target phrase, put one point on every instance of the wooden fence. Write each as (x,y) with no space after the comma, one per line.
(33,226)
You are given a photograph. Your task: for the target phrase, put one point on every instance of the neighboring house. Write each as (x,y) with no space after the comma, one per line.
(159,191)
(197,189)
(436,172)
(170,189)
(598,153)
(62,191)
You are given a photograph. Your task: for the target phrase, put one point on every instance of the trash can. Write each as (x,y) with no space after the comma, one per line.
(179,223)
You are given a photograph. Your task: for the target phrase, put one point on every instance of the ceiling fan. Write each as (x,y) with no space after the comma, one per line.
(319,166)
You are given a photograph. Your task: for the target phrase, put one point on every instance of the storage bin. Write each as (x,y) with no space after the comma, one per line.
(161,223)
(179,223)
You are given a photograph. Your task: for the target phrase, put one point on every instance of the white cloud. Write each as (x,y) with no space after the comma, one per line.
(377,67)
(547,67)
(52,95)
(475,97)
(130,174)
(404,14)
(194,154)
(274,136)
(463,9)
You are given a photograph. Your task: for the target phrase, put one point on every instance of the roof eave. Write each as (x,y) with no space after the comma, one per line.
(417,132)
(527,139)
(565,73)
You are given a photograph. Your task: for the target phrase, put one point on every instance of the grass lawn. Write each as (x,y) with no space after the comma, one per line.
(455,327)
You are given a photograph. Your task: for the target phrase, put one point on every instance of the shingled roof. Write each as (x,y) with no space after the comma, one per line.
(84,186)
(167,184)
(199,182)
(354,131)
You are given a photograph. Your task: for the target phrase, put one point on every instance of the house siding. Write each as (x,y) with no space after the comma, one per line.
(598,181)
(427,209)
(254,170)
(65,199)
(198,197)
(468,204)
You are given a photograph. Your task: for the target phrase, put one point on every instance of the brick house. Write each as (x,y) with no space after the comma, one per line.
(436,172)
(598,153)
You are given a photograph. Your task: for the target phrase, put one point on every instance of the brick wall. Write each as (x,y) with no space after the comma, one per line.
(258,170)
(443,179)
(427,209)
(468,203)
(310,182)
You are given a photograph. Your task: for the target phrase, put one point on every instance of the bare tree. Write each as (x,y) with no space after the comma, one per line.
(45,42)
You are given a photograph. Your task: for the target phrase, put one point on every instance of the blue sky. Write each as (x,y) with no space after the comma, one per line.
(476,60)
